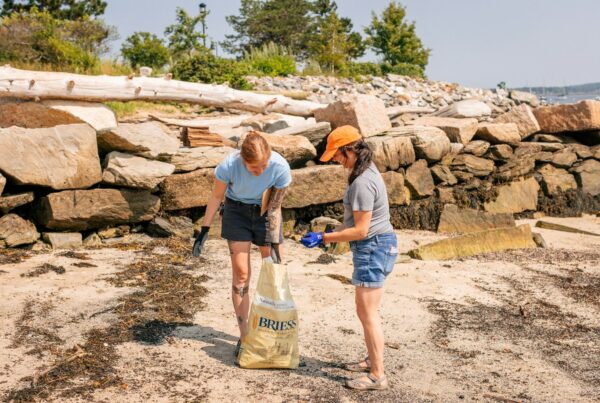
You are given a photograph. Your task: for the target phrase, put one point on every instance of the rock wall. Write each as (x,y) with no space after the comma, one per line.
(61,175)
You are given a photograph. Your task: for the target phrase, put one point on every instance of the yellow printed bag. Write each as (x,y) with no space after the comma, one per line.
(272,338)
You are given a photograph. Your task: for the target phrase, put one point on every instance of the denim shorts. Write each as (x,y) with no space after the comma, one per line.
(243,222)
(373,259)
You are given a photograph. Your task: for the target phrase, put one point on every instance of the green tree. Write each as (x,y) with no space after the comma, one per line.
(284,22)
(395,39)
(61,9)
(332,42)
(207,68)
(184,39)
(38,37)
(145,49)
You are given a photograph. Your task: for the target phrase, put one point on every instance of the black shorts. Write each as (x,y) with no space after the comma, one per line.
(243,223)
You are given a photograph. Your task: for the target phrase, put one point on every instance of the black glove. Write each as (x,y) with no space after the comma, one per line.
(199,242)
(275,253)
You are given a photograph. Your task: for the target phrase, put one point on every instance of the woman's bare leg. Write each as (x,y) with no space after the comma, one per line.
(367,308)
(240,263)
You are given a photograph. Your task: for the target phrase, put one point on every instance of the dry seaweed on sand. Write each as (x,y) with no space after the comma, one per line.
(13,256)
(324,258)
(43,269)
(84,264)
(75,255)
(342,279)
(166,296)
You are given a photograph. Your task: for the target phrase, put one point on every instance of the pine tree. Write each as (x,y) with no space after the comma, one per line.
(395,39)
(183,37)
(61,9)
(333,43)
(283,22)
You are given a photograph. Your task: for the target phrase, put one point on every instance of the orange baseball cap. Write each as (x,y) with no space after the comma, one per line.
(340,137)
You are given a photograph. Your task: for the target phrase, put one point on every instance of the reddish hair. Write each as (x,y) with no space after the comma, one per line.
(255,148)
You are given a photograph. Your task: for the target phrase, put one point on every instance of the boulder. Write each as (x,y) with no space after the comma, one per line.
(457,130)
(365,112)
(552,147)
(149,139)
(266,123)
(316,185)
(190,159)
(2,183)
(475,243)
(314,132)
(596,152)
(114,232)
(16,231)
(33,115)
(543,156)
(517,166)
(445,194)
(527,149)
(555,180)
(95,114)
(499,133)
(295,149)
(477,147)
(582,116)
(391,153)
(583,152)
(92,240)
(469,108)
(134,172)
(179,226)
(398,194)
(547,138)
(319,224)
(63,240)
(472,164)
(80,210)
(501,152)
(523,117)
(515,197)
(192,189)
(419,180)
(443,175)
(8,203)
(524,98)
(587,175)
(564,158)
(430,143)
(454,219)
(60,157)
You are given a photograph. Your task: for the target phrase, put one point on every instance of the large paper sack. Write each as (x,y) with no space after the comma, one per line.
(272,338)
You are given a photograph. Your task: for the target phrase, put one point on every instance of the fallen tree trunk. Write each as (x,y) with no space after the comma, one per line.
(51,85)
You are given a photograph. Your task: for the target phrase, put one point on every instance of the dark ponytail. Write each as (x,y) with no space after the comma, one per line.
(364,157)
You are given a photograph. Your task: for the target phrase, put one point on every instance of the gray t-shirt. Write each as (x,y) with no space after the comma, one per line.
(368,193)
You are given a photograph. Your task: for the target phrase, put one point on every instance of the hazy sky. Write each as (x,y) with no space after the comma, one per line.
(476,43)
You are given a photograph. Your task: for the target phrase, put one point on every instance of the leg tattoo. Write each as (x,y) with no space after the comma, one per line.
(241,291)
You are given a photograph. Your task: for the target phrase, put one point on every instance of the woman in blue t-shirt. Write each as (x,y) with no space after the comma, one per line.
(245,179)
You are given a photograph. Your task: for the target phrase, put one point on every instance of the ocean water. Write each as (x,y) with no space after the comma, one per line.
(568,99)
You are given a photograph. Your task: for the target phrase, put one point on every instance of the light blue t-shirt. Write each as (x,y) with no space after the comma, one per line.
(247,188)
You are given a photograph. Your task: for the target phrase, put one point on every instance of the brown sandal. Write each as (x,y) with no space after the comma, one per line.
(371,383)
(356,367)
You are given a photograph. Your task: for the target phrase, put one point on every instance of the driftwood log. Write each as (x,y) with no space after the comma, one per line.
(51,85)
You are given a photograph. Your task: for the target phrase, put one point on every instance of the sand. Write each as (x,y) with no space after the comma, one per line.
(512,326)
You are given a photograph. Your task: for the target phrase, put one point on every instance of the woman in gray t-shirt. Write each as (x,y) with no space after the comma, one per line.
(372,240)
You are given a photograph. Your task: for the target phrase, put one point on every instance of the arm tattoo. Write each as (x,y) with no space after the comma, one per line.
(274,215)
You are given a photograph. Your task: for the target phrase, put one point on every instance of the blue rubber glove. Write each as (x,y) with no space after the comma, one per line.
(312,239)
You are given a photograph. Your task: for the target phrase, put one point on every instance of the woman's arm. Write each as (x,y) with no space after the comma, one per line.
(274,215)
(218,194)
(362,222)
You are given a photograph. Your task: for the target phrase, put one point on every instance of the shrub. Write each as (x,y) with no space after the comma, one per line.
(36,37)
(364,69)
(208,68)
(271,60)
(403,69)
